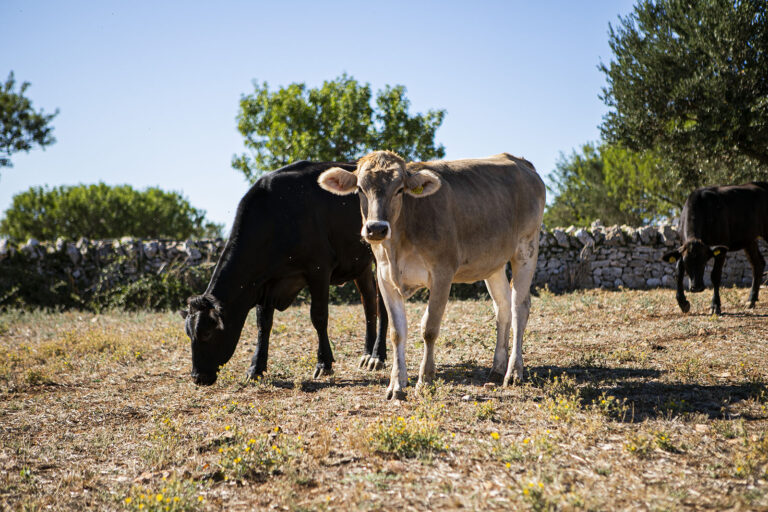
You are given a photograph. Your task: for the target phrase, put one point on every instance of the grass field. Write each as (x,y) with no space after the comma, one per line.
(627,404)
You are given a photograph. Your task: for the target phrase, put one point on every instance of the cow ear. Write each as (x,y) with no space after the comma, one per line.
(422,184)
(338,181)
(718,250)
(671,256)
(183,313)
(216,317)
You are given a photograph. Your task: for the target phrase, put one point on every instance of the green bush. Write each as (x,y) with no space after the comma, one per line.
(103,211)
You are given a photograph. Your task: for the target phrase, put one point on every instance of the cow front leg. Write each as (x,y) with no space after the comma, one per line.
(398,333)
(685,306)
(758,266)
(430,327)
(498,288)
(717,273)
(367,288)
(264,317)
(522,276)
(318,313)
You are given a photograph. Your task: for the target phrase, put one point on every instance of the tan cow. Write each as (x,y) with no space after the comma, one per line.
(436,223)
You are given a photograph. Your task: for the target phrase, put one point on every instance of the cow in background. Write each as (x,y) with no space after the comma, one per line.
(435,223)
(716,220)
(287,235)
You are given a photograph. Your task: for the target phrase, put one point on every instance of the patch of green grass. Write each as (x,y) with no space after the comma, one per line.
(406,437)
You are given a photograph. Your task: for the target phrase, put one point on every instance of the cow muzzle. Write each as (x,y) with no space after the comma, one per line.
(203,379)
(376,231)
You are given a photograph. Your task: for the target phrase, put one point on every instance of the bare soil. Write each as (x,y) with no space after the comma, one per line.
(628,404)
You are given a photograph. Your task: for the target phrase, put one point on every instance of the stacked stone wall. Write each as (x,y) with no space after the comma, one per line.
(572,258)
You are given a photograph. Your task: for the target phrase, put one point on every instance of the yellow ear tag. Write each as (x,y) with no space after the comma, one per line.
(672,259)
(716,252)
(418,190)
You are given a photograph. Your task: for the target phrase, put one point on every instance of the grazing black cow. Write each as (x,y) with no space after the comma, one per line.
(716,220)
(287,234)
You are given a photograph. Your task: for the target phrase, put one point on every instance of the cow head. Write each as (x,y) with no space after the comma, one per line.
(380,180)
(212,342)
(694,255)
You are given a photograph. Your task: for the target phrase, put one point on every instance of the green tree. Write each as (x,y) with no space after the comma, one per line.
(21,128)
(103,211)
(613,184)
(688,79)
(335,122)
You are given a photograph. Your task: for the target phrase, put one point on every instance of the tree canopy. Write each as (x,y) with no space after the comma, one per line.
(103,211)
(688,80)
(612,184)
(21,128)
(334,122)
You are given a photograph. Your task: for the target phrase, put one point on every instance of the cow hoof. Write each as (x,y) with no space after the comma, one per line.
(495,377)
(751,304)
(685,306)
(254,374)
(364,361)
(714,311)
(375,364)
(321,371)
(512,380)
(395,395)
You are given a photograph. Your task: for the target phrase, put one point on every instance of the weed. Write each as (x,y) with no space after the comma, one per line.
(171,495)
(406,437)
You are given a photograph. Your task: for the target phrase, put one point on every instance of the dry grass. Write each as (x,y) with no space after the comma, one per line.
(627,404)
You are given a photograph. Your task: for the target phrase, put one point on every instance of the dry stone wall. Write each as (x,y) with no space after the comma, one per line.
(572,258)
(621,256)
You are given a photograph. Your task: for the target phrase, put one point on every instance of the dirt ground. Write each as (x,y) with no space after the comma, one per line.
(628,404)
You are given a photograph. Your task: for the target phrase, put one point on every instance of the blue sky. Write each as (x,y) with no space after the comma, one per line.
(148,91)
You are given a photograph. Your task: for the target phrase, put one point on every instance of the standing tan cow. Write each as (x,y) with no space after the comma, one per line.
(436,223)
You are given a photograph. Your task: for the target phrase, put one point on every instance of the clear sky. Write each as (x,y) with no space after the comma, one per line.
(148,91)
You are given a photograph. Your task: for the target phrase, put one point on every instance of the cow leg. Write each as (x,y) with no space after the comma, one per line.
(523,269)
(685,306)
(367,288)
(379,351)
(758,266)
(717,274)
(318,313)
(259,360)
(430,327)
(499,289)
(398,333)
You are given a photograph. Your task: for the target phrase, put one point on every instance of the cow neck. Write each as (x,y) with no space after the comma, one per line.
(229,279)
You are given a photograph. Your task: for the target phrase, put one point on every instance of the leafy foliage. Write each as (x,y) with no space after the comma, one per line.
(21,128)
(688,80)
(613,184)
(103,211)
(334,122)
(53,286)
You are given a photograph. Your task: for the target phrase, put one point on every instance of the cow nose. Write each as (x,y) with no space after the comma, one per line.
(376,231)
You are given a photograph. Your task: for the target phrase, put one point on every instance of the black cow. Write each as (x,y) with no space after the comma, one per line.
(716,220)
(287,234)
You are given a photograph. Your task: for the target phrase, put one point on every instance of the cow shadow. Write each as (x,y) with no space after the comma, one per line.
(638,393)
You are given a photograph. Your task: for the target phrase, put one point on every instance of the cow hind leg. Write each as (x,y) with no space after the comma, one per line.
(367,288)
(499,289)
(758,266)
(523,269)
(430,328)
